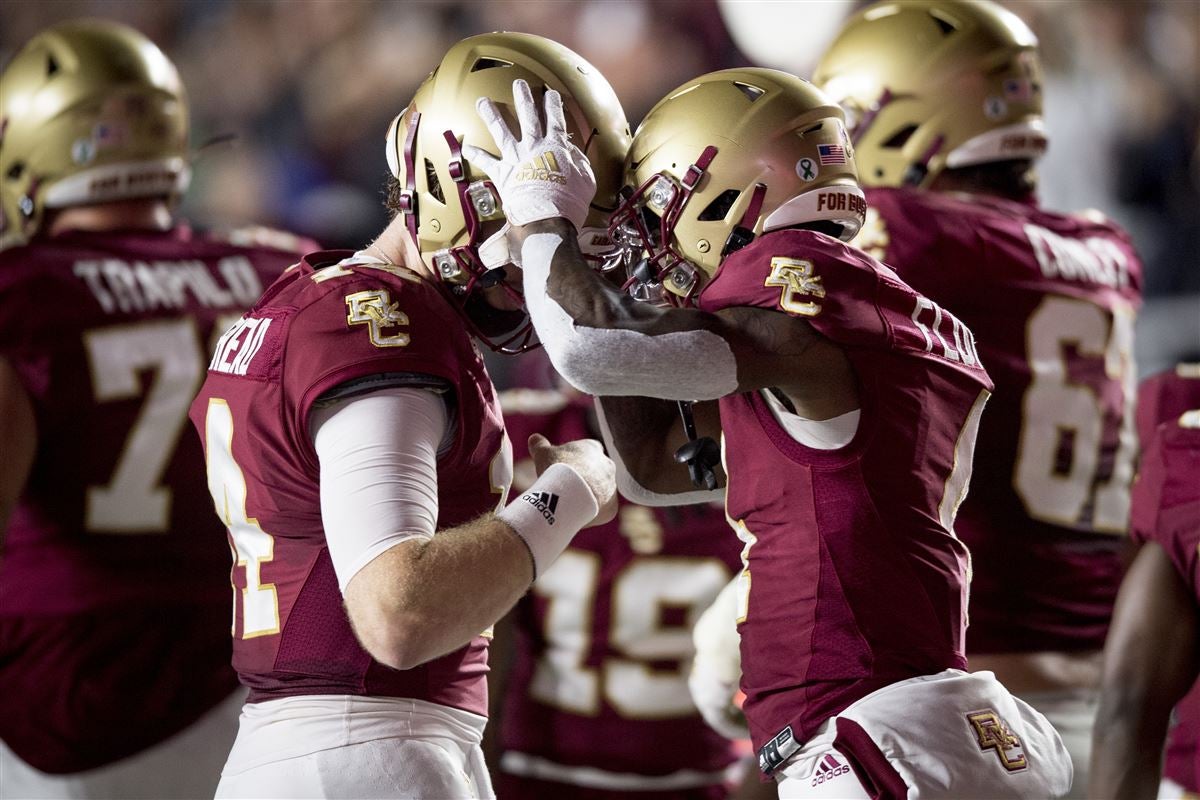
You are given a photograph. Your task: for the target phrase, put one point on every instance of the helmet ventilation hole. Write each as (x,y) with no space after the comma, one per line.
(51,66)
(720,206)
(435,185)
(489,63)
(900,137)
(15,170)
(816,127)
(947,27)
(751,92)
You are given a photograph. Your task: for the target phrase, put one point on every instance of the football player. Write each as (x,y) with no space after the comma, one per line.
(1150,659)
(114,653)
(595,704)
(848,405)
(348,417)
(944,100)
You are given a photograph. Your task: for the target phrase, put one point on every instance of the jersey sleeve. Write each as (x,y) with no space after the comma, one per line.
(1165,502)
(1166,497)
(847,296)
(371,323)
(802,274)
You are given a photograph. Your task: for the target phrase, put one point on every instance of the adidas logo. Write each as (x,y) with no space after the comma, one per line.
(828,769)
(541,168)
(544,502)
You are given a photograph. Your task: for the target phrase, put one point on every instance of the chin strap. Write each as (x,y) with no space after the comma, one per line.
(700,454)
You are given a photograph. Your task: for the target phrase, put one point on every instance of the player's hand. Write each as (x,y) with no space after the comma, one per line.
(714,696)
(586,457)
(542,175)
(717,666)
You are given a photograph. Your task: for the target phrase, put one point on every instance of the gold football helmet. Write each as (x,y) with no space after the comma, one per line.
(90,111)
(930,85)
(721,159)
(453,212)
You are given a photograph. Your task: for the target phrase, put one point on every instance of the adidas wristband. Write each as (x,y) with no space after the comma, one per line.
(548,514)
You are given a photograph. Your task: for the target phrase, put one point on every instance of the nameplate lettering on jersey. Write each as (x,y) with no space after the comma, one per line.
(239,345)
(1094,259)
(136,286)
(944,335)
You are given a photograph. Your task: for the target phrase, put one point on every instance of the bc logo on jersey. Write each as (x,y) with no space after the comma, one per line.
(797,279)
(992,734)
(375,309)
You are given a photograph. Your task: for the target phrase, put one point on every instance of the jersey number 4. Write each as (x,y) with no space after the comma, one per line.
(258,602)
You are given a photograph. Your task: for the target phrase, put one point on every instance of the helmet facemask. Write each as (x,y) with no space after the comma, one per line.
(643,228)
(461,270)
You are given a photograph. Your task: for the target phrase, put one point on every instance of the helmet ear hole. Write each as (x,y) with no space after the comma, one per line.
(15,170)
(947,27)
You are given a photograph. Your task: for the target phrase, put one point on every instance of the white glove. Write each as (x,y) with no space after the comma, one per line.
(543,175)
(717,666)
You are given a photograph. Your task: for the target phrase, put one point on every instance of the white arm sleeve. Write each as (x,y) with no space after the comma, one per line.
(378,457)
(634,492)
(688,365)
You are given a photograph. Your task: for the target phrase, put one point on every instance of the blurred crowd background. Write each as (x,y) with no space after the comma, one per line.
(308,87)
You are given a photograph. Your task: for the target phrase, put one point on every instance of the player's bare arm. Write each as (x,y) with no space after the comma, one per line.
(18,442)
(420,600)
(765,348)
(1150,662)
(706,355)
(424,598)
(643,434)
(604,342)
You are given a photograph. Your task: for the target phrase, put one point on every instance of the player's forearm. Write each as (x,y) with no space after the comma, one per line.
(642,435)
(443,592)
(606,343)
(1150,661)
(422,599)
(1125,766)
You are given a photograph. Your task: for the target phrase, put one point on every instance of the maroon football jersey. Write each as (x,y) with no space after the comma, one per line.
(853,579)
(1165,397)
(604,638)
(1162,400)
(1166,495)
(111,582)
(1051,298)
(320,326)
